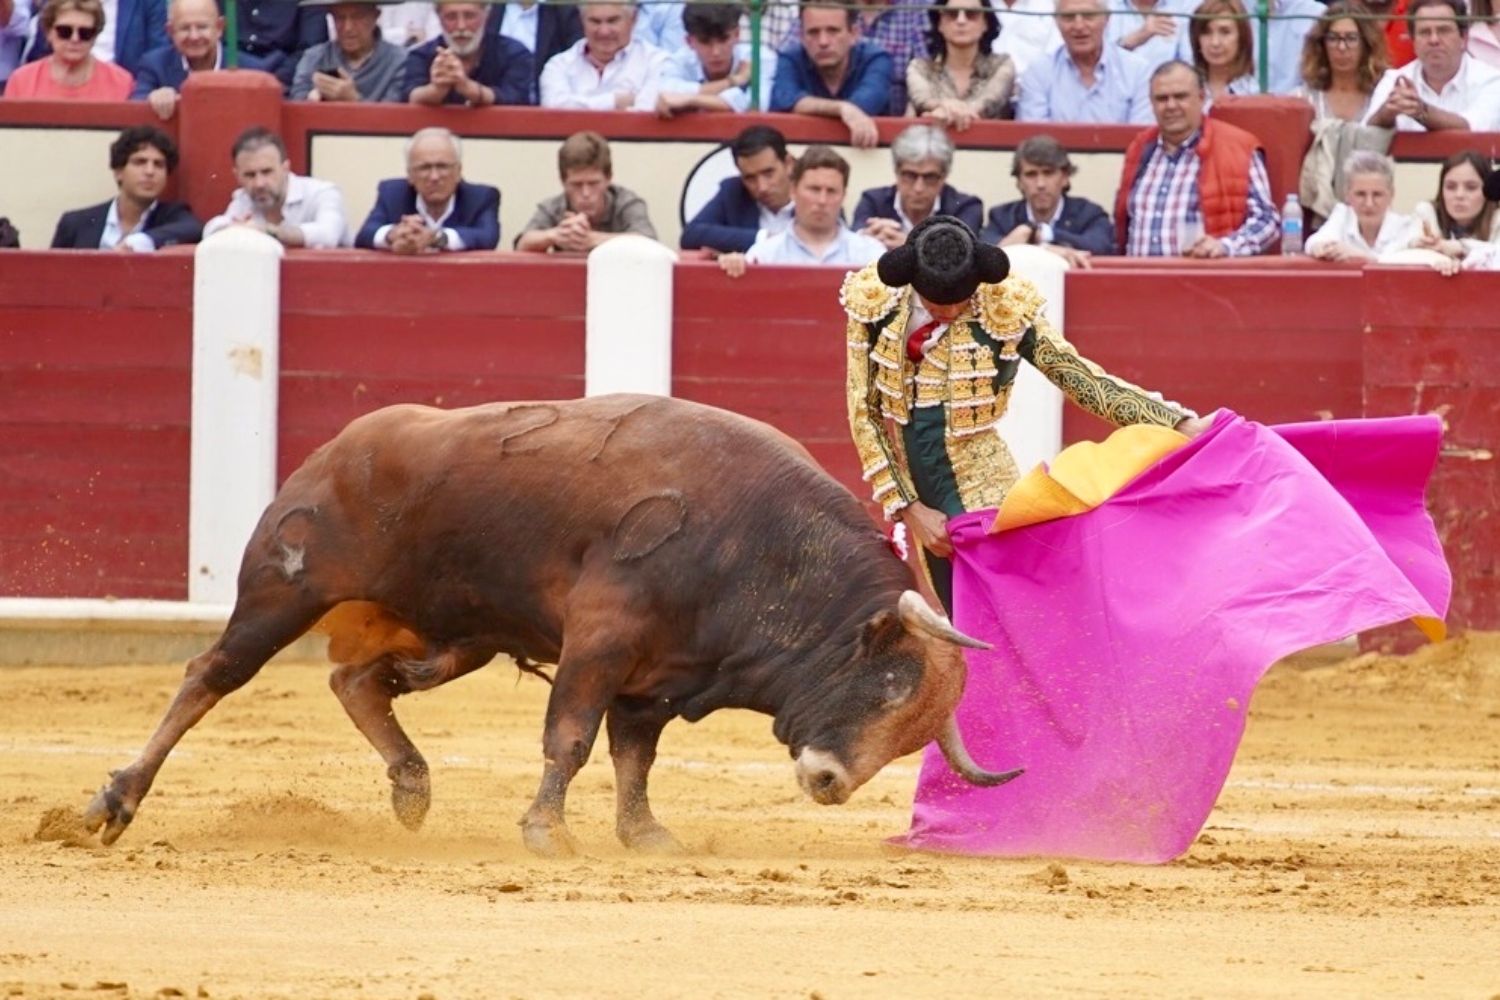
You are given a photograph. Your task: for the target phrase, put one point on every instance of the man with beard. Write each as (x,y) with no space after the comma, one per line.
(432,209)
(197,32)
(136,219)
(298,211)
(1046,214)
(465,65)
(356,65)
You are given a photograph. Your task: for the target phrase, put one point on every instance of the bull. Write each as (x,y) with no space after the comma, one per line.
(669,558)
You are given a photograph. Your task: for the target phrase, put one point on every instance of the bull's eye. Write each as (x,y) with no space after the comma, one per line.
(895,692)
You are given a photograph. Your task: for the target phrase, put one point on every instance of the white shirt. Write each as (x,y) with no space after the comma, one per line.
(408,24)
(313,206)
(1474,93)
(104,42)
(571,81)
(848,249)
(1027,31)
(519,22)
(136,239)
(771,222)
(454,241)
(1396,231)
(682,73)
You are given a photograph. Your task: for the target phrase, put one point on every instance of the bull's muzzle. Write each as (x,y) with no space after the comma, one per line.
(823,778)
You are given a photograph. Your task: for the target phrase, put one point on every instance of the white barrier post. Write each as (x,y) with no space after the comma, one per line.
(1032,424)
(628,322)
(236,364)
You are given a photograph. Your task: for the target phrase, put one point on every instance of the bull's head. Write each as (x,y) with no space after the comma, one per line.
(896,697)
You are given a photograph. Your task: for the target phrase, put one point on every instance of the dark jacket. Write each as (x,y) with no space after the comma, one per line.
(557,28)
(504,66)
(139,27)
(167,223)
(277,33)
(476,213)
(880,203)
(163,67)
(728,223)
(1082,225)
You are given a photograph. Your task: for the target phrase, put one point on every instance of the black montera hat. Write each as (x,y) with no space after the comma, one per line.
(1492,186)
(943,260)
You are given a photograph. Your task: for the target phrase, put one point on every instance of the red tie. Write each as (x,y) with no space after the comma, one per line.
(918,337)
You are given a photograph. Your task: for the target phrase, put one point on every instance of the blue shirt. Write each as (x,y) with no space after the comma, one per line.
(683,74)
(1052,90)
(1285,37)
(867,85)
(12,37)
(849,249)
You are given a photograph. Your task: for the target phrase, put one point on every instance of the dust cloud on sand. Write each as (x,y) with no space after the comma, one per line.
(1355,852)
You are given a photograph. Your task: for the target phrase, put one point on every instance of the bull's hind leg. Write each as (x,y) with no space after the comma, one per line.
(634,726)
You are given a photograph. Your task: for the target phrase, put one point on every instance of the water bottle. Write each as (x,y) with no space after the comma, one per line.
(1291,226)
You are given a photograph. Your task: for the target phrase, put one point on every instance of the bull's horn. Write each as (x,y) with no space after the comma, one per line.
(957,756)
(917,615)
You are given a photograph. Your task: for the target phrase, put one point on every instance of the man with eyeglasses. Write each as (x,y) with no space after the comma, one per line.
(1085,80)
(432,209)
(923,156)
(1444,88)
(295,211)
(197,33)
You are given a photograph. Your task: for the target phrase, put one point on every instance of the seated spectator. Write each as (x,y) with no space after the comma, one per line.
(295,210)
(197,32)
(273,35)
(1290,21)
(1484,33)
(15,16)
(923,158)
(592,209)
(1192,186)
(135,219)
(132,28)
(1445,87)
(355,65)
(963,80)
(1220,40)
(1085,80)
(608,69)
(1363,226)
(1046,215)
(712,73)
(758,201)
(1460,220)
(1155,30)
(659,23)
(1028,32)
(72,72)
(465,65)
(832,73)
(544,28)
(899,28)
(817,234)
(409,23)
(1342,59)
(432,209)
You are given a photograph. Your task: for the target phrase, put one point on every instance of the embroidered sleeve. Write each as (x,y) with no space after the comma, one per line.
(891,485)
(1091,387)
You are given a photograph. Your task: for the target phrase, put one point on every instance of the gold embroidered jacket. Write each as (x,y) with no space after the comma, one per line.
(948,453)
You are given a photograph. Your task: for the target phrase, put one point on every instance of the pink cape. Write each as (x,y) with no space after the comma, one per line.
(1128,639)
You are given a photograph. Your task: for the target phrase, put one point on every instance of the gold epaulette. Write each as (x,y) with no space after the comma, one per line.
(1008,308)
(866,298)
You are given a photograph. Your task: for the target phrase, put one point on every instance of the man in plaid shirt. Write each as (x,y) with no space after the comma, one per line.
(1193,187)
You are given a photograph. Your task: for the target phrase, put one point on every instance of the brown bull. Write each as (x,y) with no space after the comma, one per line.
(671,559)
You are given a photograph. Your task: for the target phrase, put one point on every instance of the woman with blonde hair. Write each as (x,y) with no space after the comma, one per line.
(71,72)
(1343,57)
(1222,49)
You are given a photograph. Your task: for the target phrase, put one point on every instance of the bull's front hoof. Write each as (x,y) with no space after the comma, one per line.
(109,813)
(548,840)
(411,793)
(651,839)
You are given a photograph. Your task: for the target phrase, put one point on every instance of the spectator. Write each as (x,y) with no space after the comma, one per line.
(1484,38)
(466,66)
(410,23)
(712,72)
(297,211)
(1192,185)
(1290,21)
(1046,215)
(963,80)
(832,73)
(1085,80)
(197,32)
(1028,32)
(817,234)
(1445,87)
(544,27)
(899,27)
(1342,59)
(355,65)
(923,158)
(432,209)
(758,201)
(1362,226)
(608,69)
(1396,28)
(71,72)
(134,27)
(1155,30)
(1220,39)
(15,16)
(659,23)
(592,209)
(275,33)
(1460,220)
(136,219)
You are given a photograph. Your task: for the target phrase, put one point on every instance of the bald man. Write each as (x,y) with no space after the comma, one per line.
(197,33)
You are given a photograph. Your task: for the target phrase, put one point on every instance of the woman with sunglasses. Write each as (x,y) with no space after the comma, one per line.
(964,80)
(1343,57)
(71,73)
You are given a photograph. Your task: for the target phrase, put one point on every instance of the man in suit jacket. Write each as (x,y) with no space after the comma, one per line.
(758,200)
(197,45)
(137,27)
(1072,228)
(923,156)
(544,27)
(433,209)
(136,219)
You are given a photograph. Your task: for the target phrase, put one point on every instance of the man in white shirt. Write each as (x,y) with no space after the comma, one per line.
(1444,87)
(817,234)
(298,211)
(606,69)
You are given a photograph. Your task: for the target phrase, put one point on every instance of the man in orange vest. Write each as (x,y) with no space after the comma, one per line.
(1191,186)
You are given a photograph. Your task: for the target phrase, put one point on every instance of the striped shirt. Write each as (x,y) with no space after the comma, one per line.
(1165,215)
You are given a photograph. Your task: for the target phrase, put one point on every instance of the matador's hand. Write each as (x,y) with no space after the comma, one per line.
(928,527)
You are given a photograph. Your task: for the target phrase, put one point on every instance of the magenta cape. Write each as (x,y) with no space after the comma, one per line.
(1128,639)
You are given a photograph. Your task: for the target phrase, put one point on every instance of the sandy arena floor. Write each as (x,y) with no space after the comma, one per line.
(1355,853)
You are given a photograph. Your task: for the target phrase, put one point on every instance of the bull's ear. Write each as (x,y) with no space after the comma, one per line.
(882,631)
